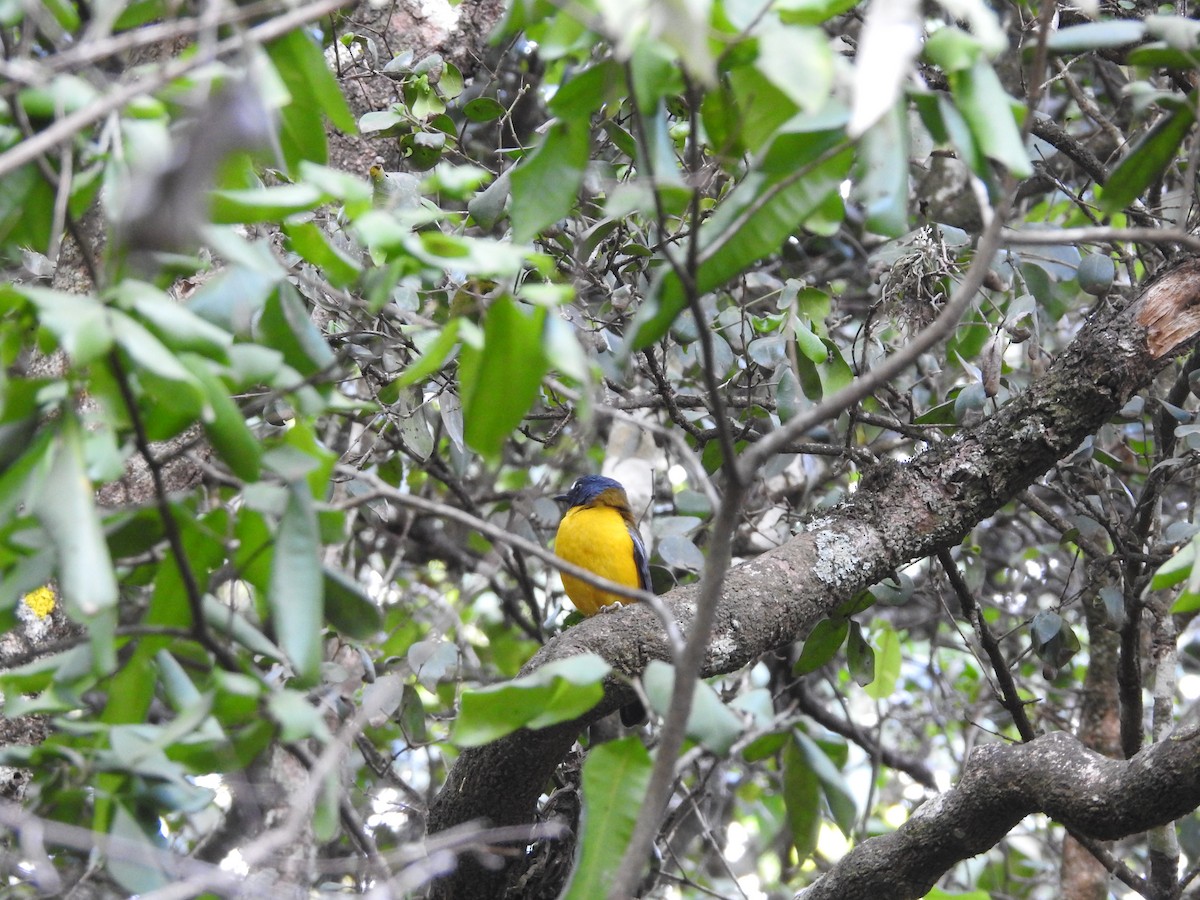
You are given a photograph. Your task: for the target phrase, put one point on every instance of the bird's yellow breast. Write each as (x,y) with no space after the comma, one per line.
(596,538)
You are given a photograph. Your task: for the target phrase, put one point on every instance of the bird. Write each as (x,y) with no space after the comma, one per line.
(598,533)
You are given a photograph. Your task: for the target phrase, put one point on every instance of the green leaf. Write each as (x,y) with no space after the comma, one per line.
(433,357)
(654,73)
(224,423)
(508,376)
(799,62)
(1178,567)
(887,661)
(317,460)
(311,242)
(888,45)
(802,799)
(836,373)
(266,204)
(1187,602)
(181,692)
(234,298)
(1160,55)
(1052,639)
(296,595)
(487,206)
(545,185)
(833,785)
(745,111)
(1044,629)
(62,95)
(175,325)
(765,746)
(285,325)
(752,223)
(680,552)
(811,346)
(821,644)
(326,816)
(710,721)
(787,395)
(433,661)
(860,656)
(348,608)
(67,510)
(232,624)
(54,668)
(939,894)
(1145,162)
(140,872)
(615,777)
(65,13)
(80,324)
(812,12)
(382,120)
(557,692)
(882,185)
(130,694)
(1096,36)
(352,190)
(953,50)
(483,109)
(27,204)
(147,351)
(1181,32)
(298,719)
(584,92)
(301,66)
(988,111)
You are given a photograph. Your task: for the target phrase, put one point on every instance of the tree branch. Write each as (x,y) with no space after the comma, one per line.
(1002,784)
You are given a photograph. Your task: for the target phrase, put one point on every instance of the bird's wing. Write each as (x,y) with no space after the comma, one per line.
(640,559)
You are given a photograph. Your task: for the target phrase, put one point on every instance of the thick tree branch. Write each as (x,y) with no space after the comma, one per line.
(1055,775)
(899,514)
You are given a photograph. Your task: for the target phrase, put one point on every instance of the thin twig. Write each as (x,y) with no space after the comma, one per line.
(1116,868)
(1009,698)
(916,769)
(191,587)
(143,853)
(1100,235)
(708,370)
(30,72)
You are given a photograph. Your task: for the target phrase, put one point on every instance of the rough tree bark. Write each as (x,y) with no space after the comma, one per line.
(1055,774)
(899,514)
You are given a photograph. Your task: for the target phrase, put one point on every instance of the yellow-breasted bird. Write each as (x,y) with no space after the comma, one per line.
(598,533)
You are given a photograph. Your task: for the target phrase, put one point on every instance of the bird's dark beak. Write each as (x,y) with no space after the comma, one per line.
(562,498)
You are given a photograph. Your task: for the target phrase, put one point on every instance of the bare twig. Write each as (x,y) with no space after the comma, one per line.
(83,839)
(191,587)
(1009,697)
(1100,235)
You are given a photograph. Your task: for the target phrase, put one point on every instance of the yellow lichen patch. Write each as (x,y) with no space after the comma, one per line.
(40,602)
